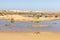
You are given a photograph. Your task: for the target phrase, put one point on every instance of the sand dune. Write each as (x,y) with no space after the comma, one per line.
(22,18)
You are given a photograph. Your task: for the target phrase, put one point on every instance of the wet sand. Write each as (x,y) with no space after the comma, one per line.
(30,36)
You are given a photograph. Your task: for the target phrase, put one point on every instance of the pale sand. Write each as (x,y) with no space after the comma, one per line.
(22,18)
(30,36)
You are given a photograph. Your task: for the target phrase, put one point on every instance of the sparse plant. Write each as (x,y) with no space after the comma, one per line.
(1,14)
(12,20)
(38,16)
(46,16)
(56,16)
(37,32)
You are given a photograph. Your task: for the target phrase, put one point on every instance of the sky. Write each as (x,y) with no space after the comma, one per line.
(33,5)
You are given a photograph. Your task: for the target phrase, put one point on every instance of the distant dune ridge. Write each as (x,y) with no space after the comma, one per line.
(18,15)
(28,12)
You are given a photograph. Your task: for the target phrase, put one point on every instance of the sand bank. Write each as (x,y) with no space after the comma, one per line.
(22,18)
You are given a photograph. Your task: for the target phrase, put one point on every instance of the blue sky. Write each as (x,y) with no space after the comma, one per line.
(41,5)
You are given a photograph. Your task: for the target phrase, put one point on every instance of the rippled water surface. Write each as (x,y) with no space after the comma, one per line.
(7,26)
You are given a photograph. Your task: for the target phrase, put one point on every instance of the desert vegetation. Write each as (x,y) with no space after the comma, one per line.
(31,16)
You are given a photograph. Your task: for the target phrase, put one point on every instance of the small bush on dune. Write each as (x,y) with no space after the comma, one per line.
(1,14)
(12,20)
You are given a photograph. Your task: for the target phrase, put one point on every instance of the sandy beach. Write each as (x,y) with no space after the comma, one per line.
(27,35)
(29,20)
(22,18)
(30,36)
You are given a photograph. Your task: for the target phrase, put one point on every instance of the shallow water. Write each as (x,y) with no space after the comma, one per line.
(7,26)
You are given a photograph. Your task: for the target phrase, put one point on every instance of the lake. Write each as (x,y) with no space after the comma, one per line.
(7,26)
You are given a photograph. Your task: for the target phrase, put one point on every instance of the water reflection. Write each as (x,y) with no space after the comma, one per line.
(38,26)
(7,26)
